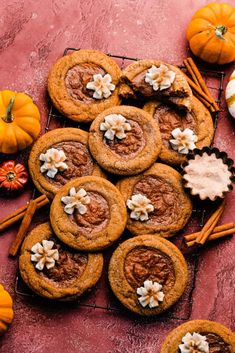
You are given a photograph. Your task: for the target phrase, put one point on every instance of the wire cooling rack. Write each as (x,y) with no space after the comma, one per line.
(101,296)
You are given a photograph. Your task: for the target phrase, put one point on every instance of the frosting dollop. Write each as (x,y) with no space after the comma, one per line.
(140,206)
(44,254)
(102,85)
(115,125)
(184,141)
(76,199)
(150,294)
(53,162)
(194,343)
(160,77)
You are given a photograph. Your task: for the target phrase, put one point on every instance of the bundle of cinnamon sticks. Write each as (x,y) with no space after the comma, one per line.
(199,87)
(210,231)
(25,213)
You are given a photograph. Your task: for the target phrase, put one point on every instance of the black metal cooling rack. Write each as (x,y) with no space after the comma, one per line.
(182,309)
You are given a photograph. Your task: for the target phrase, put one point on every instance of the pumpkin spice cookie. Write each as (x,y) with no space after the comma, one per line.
(148,274)
(53,270)
(60,156)
(88,213)
(154,79)
(200,336)
(124,140)
(181,131)
(156,201)
(83,84)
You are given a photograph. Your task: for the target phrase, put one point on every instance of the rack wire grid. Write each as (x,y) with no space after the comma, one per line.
(101,296)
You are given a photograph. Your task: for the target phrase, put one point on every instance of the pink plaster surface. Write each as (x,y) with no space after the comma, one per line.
(33,34)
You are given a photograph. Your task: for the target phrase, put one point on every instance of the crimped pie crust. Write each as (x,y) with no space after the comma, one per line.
(117,164)
(73,235)
(204,129)
(126,293)
(45,142)
(173,340)
(45,288)
(74,109)
(174,180)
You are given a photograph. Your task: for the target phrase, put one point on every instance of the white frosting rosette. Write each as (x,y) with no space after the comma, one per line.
(53,162)
(101,85)
(151,294)
(44,255)
(76,200)
(160,78)
(115,125)
(140,207)
(184,141)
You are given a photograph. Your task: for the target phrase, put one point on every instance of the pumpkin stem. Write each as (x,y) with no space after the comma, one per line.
(220,31)
(10,176)
(8,117)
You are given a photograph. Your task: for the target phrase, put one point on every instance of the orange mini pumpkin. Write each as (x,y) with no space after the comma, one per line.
(6,309)
(211,33)
(19,121)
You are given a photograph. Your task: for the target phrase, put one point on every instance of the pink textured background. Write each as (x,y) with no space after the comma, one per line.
(33,34)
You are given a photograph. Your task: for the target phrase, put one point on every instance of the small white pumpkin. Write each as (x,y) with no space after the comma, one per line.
(230,94)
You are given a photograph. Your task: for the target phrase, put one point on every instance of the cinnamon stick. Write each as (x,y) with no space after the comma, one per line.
(198,90)
(217,229)
(191,71)
(210,225)
(195,73)
(215,236)
(208,105)
(19,214)
(29,213)
(21,209)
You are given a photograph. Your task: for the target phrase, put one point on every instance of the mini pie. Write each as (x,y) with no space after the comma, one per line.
(148,274)
(208,173)
(218,338)
(156,201)
(124,140)
(134,85)
(92,219)
(169,118)
(65,277)
(73,144)
(76,90)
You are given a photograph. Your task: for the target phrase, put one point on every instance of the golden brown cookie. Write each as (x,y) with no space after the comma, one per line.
(93,218)
(219,339)
(72,143)
(169,118)
(148,274)
(66,273)
(124,140)
(74,90)
(156,201)
(134,77)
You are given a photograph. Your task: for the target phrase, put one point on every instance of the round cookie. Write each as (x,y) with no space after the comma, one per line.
(219,338)
(133,84)
(169,118)
(100,225)
(72,274)
(68,79)
(167,208)
(74,143)
(147,258)
(136,149)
